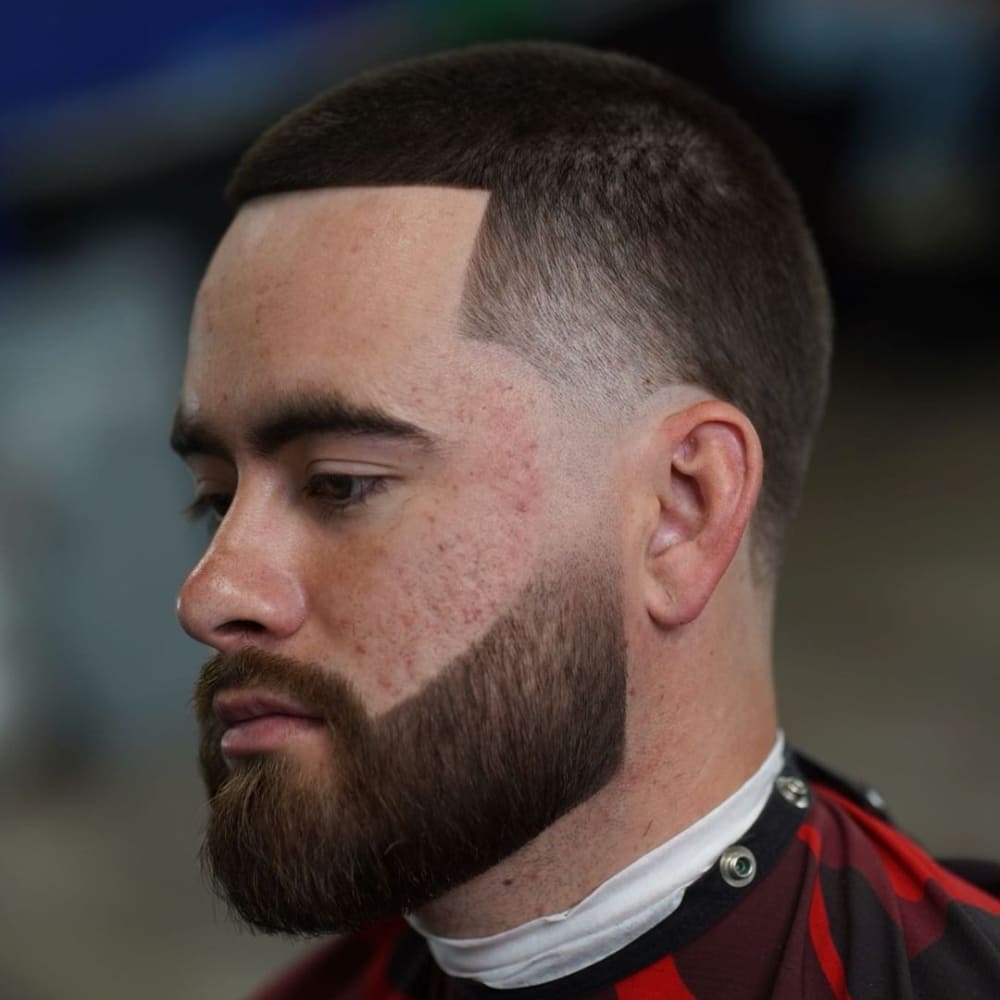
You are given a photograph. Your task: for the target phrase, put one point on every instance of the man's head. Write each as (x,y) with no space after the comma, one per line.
(474,391)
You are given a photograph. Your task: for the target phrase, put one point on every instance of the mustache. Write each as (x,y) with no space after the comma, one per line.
(310,684)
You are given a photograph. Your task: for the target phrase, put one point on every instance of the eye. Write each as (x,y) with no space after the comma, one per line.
(341,491)
(209,507)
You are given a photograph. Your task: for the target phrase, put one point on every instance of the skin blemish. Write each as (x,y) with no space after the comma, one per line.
(471,615)
(390,686)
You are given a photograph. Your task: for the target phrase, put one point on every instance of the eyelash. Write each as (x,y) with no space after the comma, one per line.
(212,507)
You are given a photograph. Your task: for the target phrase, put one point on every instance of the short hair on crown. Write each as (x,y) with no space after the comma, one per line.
(638,233)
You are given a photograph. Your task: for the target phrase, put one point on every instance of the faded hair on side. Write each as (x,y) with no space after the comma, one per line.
(638,233)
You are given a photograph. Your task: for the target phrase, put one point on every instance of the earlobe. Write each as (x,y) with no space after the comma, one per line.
(707,476)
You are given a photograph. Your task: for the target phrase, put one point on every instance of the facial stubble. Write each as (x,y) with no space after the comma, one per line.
(523,726)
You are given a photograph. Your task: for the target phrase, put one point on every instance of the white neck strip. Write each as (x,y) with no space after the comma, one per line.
(617,912)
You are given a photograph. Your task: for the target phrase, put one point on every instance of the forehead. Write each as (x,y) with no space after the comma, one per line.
(357,289)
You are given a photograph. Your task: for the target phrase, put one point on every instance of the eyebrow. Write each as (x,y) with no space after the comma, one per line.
(295,418)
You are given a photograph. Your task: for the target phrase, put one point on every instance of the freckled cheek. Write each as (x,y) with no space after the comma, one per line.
(426,590)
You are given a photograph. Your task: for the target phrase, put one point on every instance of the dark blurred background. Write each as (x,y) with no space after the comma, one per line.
(118,126)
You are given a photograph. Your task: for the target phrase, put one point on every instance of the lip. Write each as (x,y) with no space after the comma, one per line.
(257,721)
(234,707)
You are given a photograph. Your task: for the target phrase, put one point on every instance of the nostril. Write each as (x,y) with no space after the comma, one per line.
(240,627)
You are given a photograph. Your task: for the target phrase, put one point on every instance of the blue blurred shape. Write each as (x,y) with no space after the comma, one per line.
(56,49)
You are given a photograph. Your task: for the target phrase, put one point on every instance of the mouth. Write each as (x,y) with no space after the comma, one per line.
(258,721)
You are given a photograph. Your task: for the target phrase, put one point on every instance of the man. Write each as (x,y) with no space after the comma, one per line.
(500,393)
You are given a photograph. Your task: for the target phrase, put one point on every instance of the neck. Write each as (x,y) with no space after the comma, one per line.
(619,911)
(676,770)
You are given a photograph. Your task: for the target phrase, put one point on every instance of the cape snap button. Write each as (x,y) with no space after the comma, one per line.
(875,800)
(738,866)
(793,790)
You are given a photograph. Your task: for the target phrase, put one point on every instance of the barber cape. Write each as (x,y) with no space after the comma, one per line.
(821,899)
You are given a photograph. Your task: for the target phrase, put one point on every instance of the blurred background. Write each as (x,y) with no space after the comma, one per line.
(118,126)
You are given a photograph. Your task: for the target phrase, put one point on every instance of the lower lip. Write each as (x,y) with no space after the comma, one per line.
(267,732)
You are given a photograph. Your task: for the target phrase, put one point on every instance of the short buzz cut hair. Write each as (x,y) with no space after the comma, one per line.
(638,234)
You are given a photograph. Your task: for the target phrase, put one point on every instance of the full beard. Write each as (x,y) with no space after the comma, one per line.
(523,726)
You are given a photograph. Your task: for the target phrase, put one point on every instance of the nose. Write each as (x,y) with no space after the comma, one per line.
(242,591)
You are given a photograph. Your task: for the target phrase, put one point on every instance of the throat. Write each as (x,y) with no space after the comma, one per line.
(617,912)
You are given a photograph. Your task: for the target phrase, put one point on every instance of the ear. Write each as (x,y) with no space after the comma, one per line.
(704,476)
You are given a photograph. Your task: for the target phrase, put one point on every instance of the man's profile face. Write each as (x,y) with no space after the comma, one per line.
(413,586)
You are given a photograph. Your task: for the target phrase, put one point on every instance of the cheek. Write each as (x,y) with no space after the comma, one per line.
(433,583)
